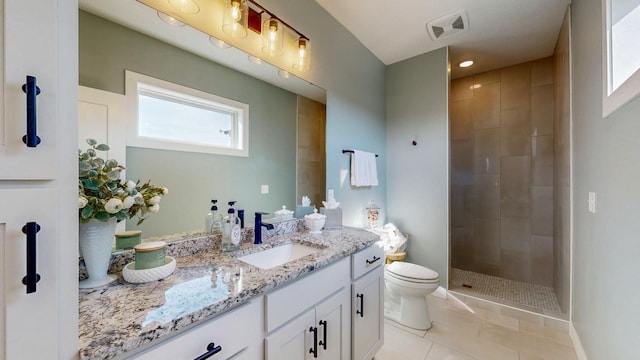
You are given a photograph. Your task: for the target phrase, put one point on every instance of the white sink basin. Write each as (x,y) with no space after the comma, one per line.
(277,256)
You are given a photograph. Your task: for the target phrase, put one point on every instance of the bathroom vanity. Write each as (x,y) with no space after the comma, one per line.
(327,305)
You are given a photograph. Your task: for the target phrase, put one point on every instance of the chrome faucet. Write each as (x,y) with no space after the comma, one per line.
(257,228)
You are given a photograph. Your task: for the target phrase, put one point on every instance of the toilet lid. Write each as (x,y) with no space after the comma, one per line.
(411,271)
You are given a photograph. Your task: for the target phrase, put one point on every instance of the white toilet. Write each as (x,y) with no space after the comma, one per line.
(405,297)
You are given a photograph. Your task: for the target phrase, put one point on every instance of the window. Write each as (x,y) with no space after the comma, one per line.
(168,116)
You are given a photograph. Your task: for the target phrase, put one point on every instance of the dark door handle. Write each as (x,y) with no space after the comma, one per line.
(323,342)
(375,258)
(30,88)
(212,349)
(314,349)
(361,311)
(31,229)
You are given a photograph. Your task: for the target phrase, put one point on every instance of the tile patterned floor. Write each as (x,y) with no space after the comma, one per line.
(465,328)
(531,297)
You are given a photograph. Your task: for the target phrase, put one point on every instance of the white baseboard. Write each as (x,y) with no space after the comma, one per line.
(440,292)
(577,344)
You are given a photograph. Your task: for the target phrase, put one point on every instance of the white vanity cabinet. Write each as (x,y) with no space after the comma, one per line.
(310,318)
(367,296)
(238,332)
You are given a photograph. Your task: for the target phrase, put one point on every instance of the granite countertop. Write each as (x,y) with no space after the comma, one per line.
(121,317)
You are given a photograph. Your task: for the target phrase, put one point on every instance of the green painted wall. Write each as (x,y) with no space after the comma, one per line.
(193,179)
(418,193)
(606,159)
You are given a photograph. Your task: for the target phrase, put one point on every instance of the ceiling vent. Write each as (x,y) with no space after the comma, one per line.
(448,25)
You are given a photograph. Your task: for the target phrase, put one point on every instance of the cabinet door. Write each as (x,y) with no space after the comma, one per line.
(294,340)
(333,319)
(368,320)
(29,50)
(28,317)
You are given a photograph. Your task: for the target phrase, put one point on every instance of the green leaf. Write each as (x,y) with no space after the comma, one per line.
(102,147)
(91,184)
(113,175)
(91,142)
(84,166)
(86,212)
(91,152)
(103,216)
(111,163)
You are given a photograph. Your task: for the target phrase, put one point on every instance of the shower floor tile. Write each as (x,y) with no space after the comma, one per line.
(534,298)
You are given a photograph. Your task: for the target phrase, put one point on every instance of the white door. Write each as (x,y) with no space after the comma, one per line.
(368,320)
(38,38)
(293,341)
(102,117)
(332,321)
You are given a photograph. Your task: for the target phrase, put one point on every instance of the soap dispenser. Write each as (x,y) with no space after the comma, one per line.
(213,220)
(231,232)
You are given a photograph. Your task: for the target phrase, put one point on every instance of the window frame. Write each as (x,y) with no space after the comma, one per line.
(138,84)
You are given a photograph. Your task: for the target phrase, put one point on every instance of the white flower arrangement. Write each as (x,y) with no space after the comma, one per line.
(102,195)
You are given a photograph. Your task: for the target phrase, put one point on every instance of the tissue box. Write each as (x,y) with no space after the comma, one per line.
(301,211)
(334,218)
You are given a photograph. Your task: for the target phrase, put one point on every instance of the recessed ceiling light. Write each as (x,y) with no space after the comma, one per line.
(283,73)
(218,43)
(173,19)
(254,59)
(466,63)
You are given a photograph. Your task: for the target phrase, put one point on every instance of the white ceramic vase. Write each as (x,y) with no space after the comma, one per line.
(96,243)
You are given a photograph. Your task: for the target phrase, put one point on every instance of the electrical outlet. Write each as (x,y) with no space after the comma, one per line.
(592,202)
(264,189)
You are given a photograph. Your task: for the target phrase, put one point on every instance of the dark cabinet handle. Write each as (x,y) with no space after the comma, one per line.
(375,258)
(212,349)
(323,342)
(30,88)
(32,278)
(314,349)
(361,311)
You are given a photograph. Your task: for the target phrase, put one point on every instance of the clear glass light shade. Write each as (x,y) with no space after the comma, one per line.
(272,37)
(173,19)
(302,61)
(185,6)
(236,18)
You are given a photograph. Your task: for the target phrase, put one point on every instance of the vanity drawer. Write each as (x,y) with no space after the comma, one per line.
(285,303)
(366,260)
(238,331)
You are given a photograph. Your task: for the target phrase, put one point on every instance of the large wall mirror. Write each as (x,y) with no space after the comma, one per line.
(621,58)
(286,132)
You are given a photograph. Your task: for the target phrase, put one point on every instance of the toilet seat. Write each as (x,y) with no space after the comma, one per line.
(411,273)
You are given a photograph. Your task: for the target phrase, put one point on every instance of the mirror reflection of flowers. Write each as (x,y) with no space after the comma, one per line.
(103,195)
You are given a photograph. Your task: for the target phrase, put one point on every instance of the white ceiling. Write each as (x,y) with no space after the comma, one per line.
(500,32)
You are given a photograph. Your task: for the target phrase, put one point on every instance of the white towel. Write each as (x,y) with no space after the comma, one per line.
(363,169)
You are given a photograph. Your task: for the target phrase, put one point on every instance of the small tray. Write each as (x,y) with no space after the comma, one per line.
(130,274)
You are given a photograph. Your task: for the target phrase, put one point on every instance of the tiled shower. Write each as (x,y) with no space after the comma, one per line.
(502,179)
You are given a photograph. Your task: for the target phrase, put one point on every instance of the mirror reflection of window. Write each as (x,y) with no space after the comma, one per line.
(624,56)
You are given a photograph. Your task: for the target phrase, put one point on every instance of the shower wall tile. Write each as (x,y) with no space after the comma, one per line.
(487,196)
(461,248)
(515,199)
(515,86)
(461,120)
(516,169)
(461,89)
(542,110)
(515,265)
(486,151)
(542,72)
(542,210)
(486,78)
(486,106)
(462,205)
(462,162)
(516,131)
(542,160)
(542,260)
(486,242)
(515,234)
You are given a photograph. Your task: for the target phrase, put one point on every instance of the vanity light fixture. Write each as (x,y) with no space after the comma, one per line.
(170,20)
(236,18)
(466,63)
(302,60)
(272,37)
(185,6)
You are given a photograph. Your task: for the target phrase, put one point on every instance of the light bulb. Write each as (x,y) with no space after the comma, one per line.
(272,37)
(235,19)
(185,6)
(302,59)
(236,12)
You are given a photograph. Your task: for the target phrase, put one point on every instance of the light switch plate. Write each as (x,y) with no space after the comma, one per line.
(264,189)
